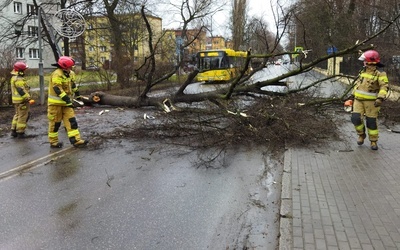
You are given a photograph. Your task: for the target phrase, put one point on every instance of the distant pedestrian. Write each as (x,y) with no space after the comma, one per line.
(60,107)
(20,98)
(369,92)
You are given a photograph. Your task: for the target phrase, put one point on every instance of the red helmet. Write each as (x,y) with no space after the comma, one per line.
(372,57)
(65,62)
(20,66)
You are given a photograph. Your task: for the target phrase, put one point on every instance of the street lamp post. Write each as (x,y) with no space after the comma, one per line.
(41,76)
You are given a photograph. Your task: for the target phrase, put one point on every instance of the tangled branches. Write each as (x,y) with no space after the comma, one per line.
(273,122)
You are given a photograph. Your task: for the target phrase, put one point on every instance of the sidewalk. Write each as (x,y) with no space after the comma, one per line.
(342,196)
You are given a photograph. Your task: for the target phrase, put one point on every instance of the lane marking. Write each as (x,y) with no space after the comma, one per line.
(34,164)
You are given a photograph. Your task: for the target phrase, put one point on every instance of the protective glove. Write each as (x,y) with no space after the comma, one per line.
(77,95)
(378,102)
(27,99)
(68,102)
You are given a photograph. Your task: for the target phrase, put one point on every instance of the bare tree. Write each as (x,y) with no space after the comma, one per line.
(189,13)
(239,18)
(239,86)
(6,64)
(260,38)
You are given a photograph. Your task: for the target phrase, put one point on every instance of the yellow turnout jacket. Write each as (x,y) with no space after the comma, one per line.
(372,84)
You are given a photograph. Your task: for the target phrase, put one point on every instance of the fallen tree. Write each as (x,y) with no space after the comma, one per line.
(239,112)
(237,87)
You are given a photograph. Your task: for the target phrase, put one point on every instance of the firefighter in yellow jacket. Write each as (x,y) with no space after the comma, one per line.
(369,92)
(60,106)
(20,98)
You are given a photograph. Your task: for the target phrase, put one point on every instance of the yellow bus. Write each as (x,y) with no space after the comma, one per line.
(219,65)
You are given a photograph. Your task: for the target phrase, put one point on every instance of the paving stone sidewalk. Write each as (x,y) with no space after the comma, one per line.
(342,196)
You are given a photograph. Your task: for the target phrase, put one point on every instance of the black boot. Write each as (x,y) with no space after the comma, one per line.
(14,133)
(21,136)
(57,145)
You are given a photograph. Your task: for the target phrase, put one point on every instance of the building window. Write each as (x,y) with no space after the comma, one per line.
(91,48)
(33,53)
(33,31)
(31,10)
(20,53)
(17,8)
(103,48)
(102,59)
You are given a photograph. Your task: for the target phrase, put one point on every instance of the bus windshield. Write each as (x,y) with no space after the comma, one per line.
(213,60)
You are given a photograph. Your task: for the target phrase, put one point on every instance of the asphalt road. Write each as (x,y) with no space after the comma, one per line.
(127,194)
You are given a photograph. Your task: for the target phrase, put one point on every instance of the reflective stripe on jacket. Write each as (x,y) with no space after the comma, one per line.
(59,80)
(19,82)
(372,84)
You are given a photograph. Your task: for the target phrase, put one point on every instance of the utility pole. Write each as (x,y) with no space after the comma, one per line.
(41,76)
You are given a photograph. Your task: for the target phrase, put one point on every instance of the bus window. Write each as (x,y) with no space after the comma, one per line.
(204,63)
(224,62)
(234,61)
(214,63)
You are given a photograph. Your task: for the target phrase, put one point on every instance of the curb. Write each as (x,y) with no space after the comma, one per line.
(286,214)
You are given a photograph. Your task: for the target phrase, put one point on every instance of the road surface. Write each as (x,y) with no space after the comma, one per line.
(125,194)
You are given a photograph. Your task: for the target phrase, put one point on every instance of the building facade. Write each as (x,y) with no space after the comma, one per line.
(195,39)
(95,48)
(19,32)
(216,42)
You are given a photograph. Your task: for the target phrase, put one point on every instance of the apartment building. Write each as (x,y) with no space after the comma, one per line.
(198,41)
(95,48)
(216,42)
(19,30)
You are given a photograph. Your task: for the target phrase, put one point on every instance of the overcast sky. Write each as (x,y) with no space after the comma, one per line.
(258,8)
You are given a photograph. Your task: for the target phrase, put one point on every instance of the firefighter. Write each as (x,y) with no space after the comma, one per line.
(20,99)
(60,106)
(369,92)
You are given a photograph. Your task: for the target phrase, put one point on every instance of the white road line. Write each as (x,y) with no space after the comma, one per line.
(34,164)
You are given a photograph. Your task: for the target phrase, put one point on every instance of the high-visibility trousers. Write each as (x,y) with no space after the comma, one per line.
(20,119)
(58,114)
(365,110)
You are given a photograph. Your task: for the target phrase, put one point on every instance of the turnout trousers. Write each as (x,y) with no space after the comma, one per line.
(58,114)
(21,117)
(365,110)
